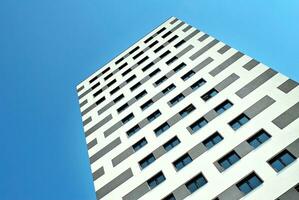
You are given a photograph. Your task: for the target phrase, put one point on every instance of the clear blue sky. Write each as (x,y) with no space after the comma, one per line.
(48,46)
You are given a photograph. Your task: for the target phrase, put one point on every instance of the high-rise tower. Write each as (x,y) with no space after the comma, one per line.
(181,115)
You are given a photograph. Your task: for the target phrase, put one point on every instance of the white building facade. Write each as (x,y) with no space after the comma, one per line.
(181,115)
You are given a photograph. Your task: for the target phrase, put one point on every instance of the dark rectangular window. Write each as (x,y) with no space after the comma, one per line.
(108,76)
(166,34)
(198,84)
(179,67)
(186,111)
(282,160)
(111,82)
(156,71)
(171,60)
(133,130)
(207,96)
(239,121)
(138,145)
(223,107)
(127,118)
(134,87)
(100,100)
(146,104)
(161,80)
(258,139)
(114,90)
(119,60)
(212,140)
(131,79)
(154,116)
(148,39)
(169,197)
(133,50)
(297,187)
(126,72)
(164,54)
(172,39)
(117,99)
(137,55)
(159,48)
(161,129)
(188,75)
(95,85)
(177,45)
(122,108)
(122,66)
(229,159)
(106,70)
(177,99)
(168,89)
(161,30)
(93,79)
(97,92)
(156,180)
(198,124)
(249,183)
(141,94)
(147,161)
(171,143)
(142,60)
(196,183)
(153,44)
(182,162)
(148,66)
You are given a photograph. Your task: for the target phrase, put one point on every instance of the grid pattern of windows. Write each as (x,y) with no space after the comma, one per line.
(249,183)
(258,139)
(171,143)
(182,162)
(239,122)
(282,160)
(228,160)
(196,183)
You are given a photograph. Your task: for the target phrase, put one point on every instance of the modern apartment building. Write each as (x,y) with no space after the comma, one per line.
(181,115)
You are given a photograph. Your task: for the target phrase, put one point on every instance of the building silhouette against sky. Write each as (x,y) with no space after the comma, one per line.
(181,115)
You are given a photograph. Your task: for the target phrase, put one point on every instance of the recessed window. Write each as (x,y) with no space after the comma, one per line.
(223,107)
(177,45)
(131,79)
(156,71)
(153,44)
(177,99)
(111,82)
(159,48)
(196,183)
(165,54)
(239,122)
(169,197)
(142,60)
(95,85)
(138,145)
(198,84)
(161,80)
(146,104)
(172,39)
(108,76)
(258,139)
(122,108)
(166,34)
(100,100)
(168,89)
(97,92)
(133,50)
(147,161)
(117,99)
(141,94)
(249,183)
(212,140)
(171,143)
(198,124)
(179,67)
(161,30)
(148,39)
(122,66)
(133,130)
(154,116)
(207,96)
(228,160)
(127,118)
(186,111)
(297,187)
(119,60)
(182,162)
(137,55)
(156,180)
(134,87)
(106,70)
(161,129)
(93,79)
(282,160)
(114,90)
(148,66)
(171,60)
(188,75)
(126,72)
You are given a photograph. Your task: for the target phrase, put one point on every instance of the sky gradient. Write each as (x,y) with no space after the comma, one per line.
(47,47)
